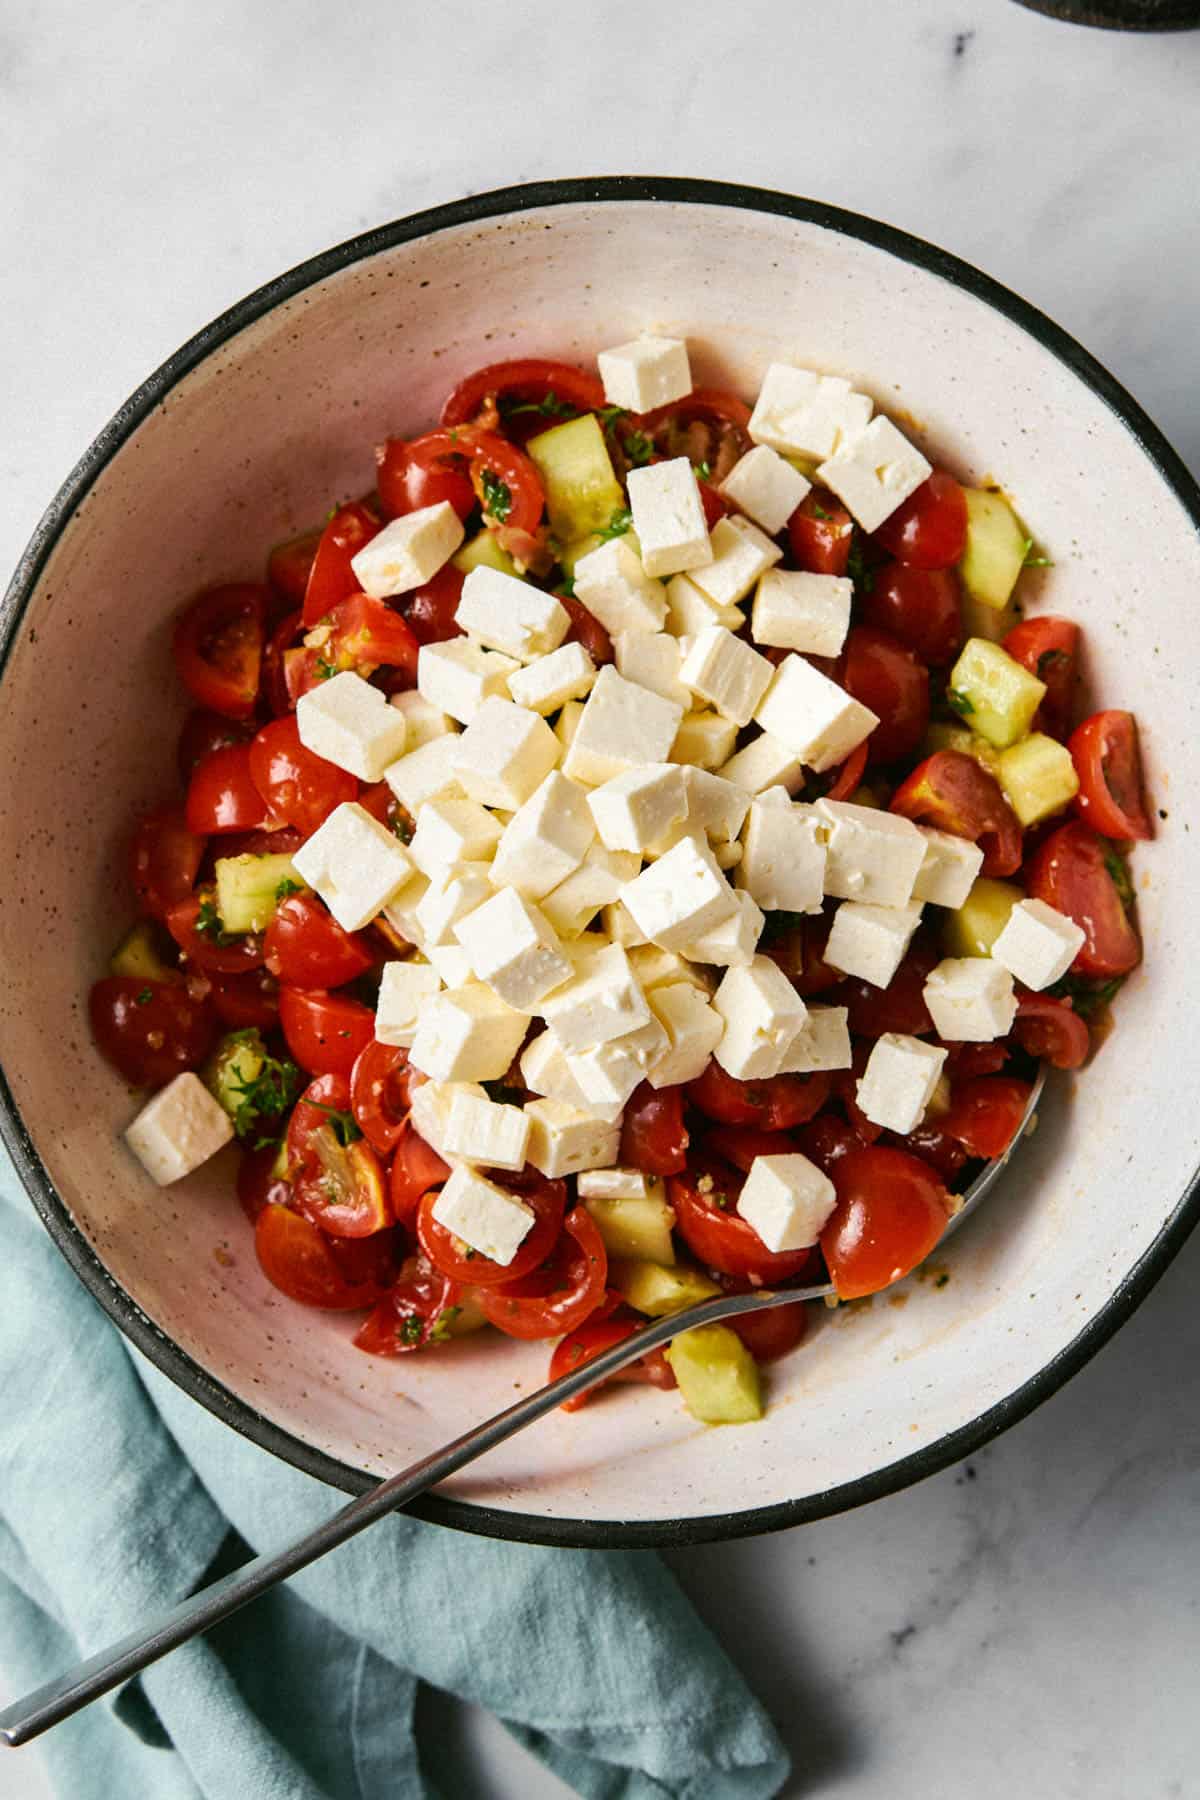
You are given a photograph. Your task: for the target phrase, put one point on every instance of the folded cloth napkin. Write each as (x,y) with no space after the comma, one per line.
(119,1494)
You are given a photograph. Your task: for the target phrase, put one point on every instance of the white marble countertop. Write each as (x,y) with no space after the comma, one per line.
(1028,1622)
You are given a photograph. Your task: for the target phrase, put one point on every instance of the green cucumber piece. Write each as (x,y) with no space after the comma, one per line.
(718,1378)
(638,1228)
(654,1290)
(137,956)
(248,889)
(995,695)
(235,1064)
(996,548)
(972,928)
(483,552)
(582,490)
(1038,775)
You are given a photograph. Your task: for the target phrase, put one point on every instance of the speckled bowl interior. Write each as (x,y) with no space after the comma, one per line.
(246,437)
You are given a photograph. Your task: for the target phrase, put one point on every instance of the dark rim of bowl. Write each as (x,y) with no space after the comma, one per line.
(150,1339)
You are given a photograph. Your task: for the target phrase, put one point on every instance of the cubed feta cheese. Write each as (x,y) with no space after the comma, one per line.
(783,860)
(679,897)
(423,721)
(608,1073)
(636,808)
(484,1216)
(947,874)
(451,831)
(613,584)
(643,374)
(802,413)
(467,1034)
(567,722)
(622,726)
(690,611)
(409,551)
(970,999)
(482,1132)
(693,1028)
(545,839)
(430,1103)
(504,613)
(662,968)
(354,864)
(457,676)
(574,903)
(504,754)
(870,942)
(1038,944)
(741,553)
(513,948)
(452,964)
(874,472)
(763,1014)
(178,1129)
(349,722)
(563,1141)
(668,516)
(652,659)
(763,763)
(822,1043)
(450,896)
(898,1082)
(766,487)
(726,672)
(704,740)
(566,674)
(425,773)
(544,1071)
(400,913)
(731,943)
(602,1000)
(718,807)
(404,988)
(794,610)
(816,719)
(786,1201)
(617,1184)
(617,923)
(870,855)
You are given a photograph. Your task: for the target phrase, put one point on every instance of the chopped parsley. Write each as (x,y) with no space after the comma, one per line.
(617,526)
(324,669)
(267,1096)
(549,406)
(209,925)
(958,702)
(1116,867)
(287,887)
(859,570)
(779,922)
(703,470)
(144,998)
(720,1198)
(608,416)
(343,1124)
(819,512)
(637,448)
(1030,561)
(412,1330)
(1087,998)
(497,496)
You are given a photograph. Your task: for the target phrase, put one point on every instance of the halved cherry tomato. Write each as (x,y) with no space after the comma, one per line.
(845,1086)
(847,777)
(820,533)
(952,792)
(1111,798)
(307,948)
(280,645)
(547,1199)
(1049,648)
(296,1258)
(824,1139)
(985,1116)
(338,1185)
(326,1033)
(892,1209)
(412,1313)
(883,674)
(241,1001)
(595,1335)
(547,1302)
(218,647)
(929,529)
(773,1332)
(430,610)
(424,471)
(704,1201)
(222,795)
(290,564)
(164,860)
(150,1031)
(416,1167)
(1051,1030)
(586,629)
(965,1061)
(898,1007)
(932,1145)
(707,426)
(379,1084)
(776,1103)
(272,840)
(654,1138)
(921,607)
(367,634)
(740,1144)
(506,483)
(555,390)
(376,1258)
(293,783)
(714,507)
(203,732)
(304,669)
(800,953)
(331,578)
(1070,871)
(196,927)
(257,1183)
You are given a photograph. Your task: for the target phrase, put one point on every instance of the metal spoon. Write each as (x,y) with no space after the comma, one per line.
(56,1700)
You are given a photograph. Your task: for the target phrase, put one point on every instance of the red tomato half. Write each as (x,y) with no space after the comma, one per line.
(654,1138)
(430,610)
(827,1138)
(553,390)
(295,784)
(412,1313)
(241,1001)
(296,1258)
(331,578)
(325,1033)
(203,732)
(775,1104)
(1108,763)
(218,647)
(369,634)
(290,565)
(820,533)
(337,1185)
(150,1031)
(770,1334)
(281,644)
(985,1115)
(222,795)
(586,629)
(946,1154)
(892,1209)
(1070,871)
(921,607)
(558,1299)
(164,860)
(548,1201)
(898,1007)
(379,1084)
(704,1201)
(257,1183)
(595,1335)
(847,778)
(929,531)
(416,1167)
(421,472)
(883,674)
(1049,648)
(800,951)
(307,948)
(1051,1030)
(740,1144)
(951,792)
(507,484)
(196,927)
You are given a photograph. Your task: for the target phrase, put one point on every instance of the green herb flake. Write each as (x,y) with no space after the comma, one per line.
(959,702)
(617,526)
(144,998)
(209,925)
(343,1124)
(720,1198)
(497,496)
(412,1330)
(1087,998)
(859,570)
(637,449)
(324,669)
(703,470)
(566,587)
(548,407)
(287,887)
(271,1094)
(818,512)
(439,1331)
(608,416)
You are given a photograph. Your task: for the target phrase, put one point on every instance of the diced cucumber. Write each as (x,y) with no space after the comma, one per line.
(996,548)
(466,1315)
(972,928)
(235,1064)
(137,955)
(1038,775)
(996,696)
(579,547)
(718,1378)
(649,1288)
(582,490)
(983,621)
(483,552)
(248,889)
(636,1227)
(942,736)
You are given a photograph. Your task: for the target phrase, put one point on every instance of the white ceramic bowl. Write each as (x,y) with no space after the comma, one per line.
(245,436)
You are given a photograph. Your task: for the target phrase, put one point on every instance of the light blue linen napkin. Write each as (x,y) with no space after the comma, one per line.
(118,1493)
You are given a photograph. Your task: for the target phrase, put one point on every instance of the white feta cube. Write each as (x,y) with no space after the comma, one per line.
(816,719)
(544,1071)
(179,1128)
(613,584)
(766,487)
(564,1141)
(689,609)
(423,721)
(609,1073)
(566,674)
(505,613)
(783,857)
(823,1043)
(898,1082)
(763,763)
(429,1108)
(786,1201)
(874,472)
(513,948)
(467,1034)
(794,610)
(484,1216)
(451,831)
(504,754)
(801,413)
(617,923)
(480,1131)
(704,740)
(727,673)
(425,773)
(457,676)
(622,726)
(450,896)
(947,874)
(1038,944)
(545,839)
(663,968)
(645,373)
(716,806)
(574,903)
(763,1014)
(679,897)
(404,987)
(731,943)
(354,864)
(349,723)
(870,855)
(668,516)
(452,964)
(636,808)
(408,552)
(870,942)
(600,1001)
(693,1028)
(400,913)
(970,999)
(741,553)
(567,723)
(652,659)
(617,1184)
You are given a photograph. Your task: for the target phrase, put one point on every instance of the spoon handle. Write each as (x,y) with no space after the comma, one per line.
(56,1700)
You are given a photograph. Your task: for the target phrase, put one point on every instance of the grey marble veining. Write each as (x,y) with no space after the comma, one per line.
(1029,1622)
